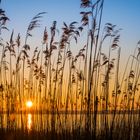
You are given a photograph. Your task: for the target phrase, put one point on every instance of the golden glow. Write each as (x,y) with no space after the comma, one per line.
(29,104)
(29,122)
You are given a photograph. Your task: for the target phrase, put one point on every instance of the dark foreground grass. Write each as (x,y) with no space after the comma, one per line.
(43,135)
(121,131)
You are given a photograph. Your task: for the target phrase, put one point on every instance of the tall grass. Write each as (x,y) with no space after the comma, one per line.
(58,80)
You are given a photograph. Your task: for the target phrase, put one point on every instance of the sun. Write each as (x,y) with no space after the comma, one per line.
(29,104)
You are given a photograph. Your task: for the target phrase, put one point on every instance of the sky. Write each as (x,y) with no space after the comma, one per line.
(123,13)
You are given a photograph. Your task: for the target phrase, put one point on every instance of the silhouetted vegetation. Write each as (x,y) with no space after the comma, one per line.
(58,81)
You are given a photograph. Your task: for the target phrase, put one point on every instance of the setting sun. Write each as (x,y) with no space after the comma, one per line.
(29,104)
(70,69)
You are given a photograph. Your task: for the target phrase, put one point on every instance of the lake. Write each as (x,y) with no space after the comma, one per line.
(46,122)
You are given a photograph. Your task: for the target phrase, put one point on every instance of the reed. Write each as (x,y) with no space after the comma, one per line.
(85,87)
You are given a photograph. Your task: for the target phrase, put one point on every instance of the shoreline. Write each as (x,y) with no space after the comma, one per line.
(73,112)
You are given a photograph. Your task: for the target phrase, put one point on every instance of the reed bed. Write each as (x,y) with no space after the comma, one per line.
(81,85)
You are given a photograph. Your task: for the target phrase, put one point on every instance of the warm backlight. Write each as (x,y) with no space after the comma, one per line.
(29,104)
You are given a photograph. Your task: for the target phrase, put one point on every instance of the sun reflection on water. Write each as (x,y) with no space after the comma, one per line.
(29,122)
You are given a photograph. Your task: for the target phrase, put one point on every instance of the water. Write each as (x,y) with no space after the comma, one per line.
(39,122)
(47,122)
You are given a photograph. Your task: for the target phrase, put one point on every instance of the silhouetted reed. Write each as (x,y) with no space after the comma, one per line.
(85,87)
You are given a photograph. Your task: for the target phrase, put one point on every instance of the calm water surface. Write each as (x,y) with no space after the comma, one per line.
(45,122)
